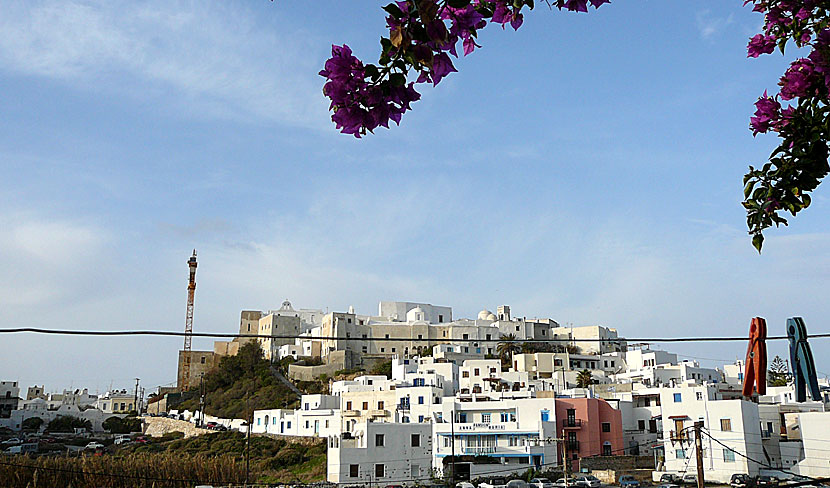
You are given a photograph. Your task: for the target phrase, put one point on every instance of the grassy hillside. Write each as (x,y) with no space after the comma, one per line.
(240,384)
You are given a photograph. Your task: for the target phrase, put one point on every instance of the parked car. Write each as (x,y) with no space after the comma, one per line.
(668,485)
(394,486)
(671,479)
(465,484)
(94,445)
(588,481)
(767,481)
(121,439)
(13,441)
(628,481)
(541,483)
(493,483)
(689,479)
(517,484)
(740,480)
(563,482)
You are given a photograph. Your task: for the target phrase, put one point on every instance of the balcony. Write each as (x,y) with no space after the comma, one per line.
(351,413)
(378,413)
(403,407)
(765,434)
(681,436)
(476,451)
(572,423)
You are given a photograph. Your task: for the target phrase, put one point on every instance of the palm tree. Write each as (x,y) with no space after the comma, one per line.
(507,348)
(584,379)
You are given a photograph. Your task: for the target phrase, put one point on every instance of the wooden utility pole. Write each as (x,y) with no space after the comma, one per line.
(135,398)
(699,453)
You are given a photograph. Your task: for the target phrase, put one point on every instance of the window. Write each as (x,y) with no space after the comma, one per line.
(488,337)
(327,423)
(440,318)
(699,395)
(420,400)
(386,336)
(485,418)
(465,374)
(606,449)
(274,422)
(728,456)
(420,418)
(382,349)
(379,469)
(416,440)
(416,470)
(677,399)
(365,405)
(348,321)
(258,421)
(726,425)
(348,405)
(307,425)
(545,415)
(641,425)
(517,328)
(462,418)
(203,360)
(476,372)
(606,426)
(380,405)
(420,336)
(447,441)
(465,336)
(512,441)
(354,470)
(288,424)
(378,440)
(393,349)
(680,453)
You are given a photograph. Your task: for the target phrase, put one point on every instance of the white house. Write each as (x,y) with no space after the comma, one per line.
(381,453)
(511,435)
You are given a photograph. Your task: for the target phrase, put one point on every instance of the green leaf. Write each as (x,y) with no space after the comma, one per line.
(397,79)
(806,200)
(758,241)
(394,10)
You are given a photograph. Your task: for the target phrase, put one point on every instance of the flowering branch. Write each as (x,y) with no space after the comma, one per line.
(423,34)
(797,166)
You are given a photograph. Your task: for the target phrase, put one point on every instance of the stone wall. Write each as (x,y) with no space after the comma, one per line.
(617,463)
(158,426)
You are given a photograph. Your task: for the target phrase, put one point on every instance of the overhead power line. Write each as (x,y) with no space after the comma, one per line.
(36,330)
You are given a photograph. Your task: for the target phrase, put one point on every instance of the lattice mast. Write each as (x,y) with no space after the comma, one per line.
(188,323)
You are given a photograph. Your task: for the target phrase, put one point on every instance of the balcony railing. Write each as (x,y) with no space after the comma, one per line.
(480,450)
(765,434)
(572,423)
(378,413)
(403,407)
(681,436)
(351,413)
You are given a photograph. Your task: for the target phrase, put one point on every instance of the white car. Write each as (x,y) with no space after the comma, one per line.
(588,481)
(122,439)
(94,445)
(541,483)
(517,484)
(563,482)
(465,484)
(493,483)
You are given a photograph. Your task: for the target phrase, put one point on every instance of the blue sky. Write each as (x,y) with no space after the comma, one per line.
(585,168)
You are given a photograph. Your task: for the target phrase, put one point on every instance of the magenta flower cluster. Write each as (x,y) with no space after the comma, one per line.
(809,77)
(423,35)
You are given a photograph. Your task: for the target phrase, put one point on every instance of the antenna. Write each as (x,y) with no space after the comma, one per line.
(188,323)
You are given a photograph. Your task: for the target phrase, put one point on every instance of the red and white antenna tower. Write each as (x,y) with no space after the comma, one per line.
(188,323)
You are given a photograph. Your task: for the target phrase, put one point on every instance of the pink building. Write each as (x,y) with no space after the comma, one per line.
(589,427)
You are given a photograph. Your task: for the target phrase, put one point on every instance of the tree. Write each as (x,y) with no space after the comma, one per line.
(507,348)
(584,379)
(424,33)
(67,423)
(382,368)
(779,373)
(118,425)
(32,423)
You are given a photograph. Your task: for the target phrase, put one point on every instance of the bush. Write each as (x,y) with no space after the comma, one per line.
(382,368)
(32,423)
(67,423)
(118,425)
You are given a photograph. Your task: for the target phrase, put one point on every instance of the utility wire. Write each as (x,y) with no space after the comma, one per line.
(35,330)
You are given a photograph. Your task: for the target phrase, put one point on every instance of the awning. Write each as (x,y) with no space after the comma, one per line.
(678,416)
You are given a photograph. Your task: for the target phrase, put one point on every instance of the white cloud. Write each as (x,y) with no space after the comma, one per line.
(710,26)
(211,58)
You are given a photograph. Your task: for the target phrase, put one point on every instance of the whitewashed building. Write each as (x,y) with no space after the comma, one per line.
(511,435)
(380,454)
